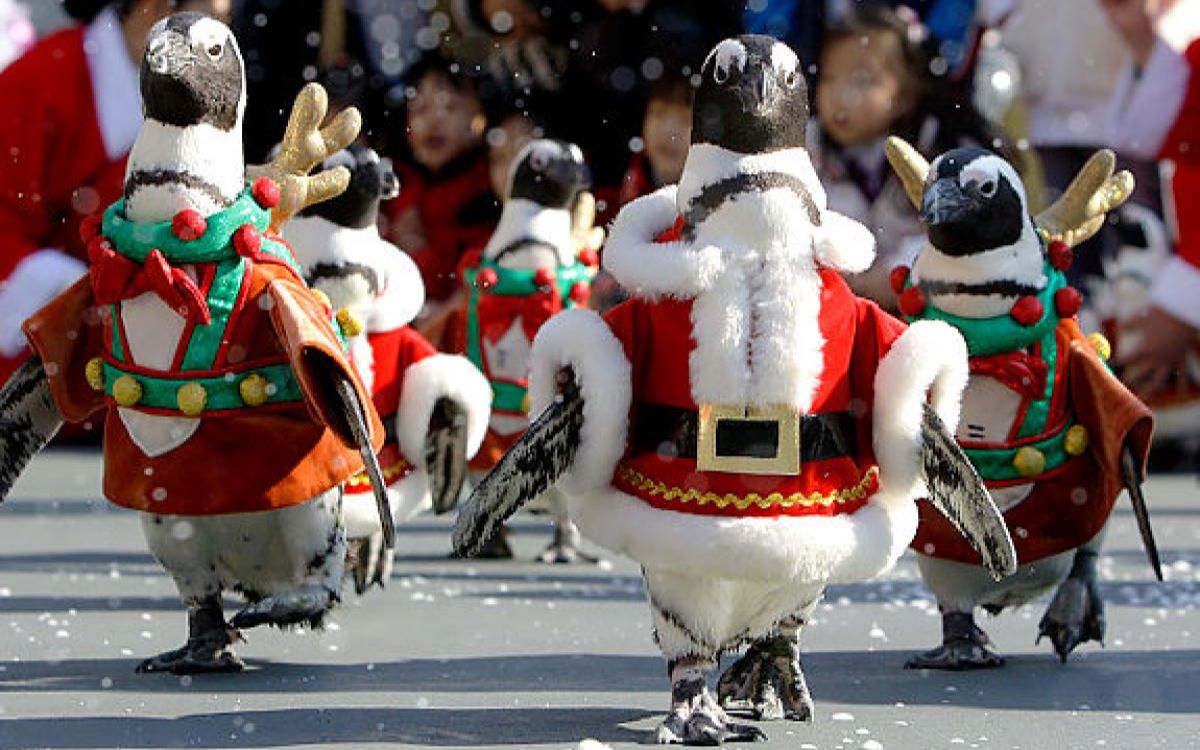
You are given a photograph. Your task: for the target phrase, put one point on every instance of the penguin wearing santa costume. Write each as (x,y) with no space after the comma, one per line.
(1053,433)
(233,414)
(427,401)
(744,427)
(532,268)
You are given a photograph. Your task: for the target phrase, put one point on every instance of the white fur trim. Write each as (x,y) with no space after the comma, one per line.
(651,269)
(930,358)
(115,92)
(37,279)
(1146,103)
(1176,289)
(806,549)
(441,376)
(843,244)
(581,340)
(408,497)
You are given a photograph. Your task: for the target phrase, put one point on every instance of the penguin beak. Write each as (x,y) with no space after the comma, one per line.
(945,203)
(756,89)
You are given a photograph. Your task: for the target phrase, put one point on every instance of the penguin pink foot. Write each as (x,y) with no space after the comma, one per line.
(564,547)
(964,646)
(696,719)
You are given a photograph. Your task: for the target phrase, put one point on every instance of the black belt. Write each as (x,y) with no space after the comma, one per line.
(671,431)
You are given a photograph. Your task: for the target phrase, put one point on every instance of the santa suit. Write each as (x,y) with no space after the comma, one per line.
(73,116)
(757,321)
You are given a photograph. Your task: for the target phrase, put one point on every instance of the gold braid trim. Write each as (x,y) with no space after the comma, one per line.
(654,487)
(390,474)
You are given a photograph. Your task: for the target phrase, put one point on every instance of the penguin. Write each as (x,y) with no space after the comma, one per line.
(376,290)
(194,329)
(537,233)
(1043,419)
(744,427)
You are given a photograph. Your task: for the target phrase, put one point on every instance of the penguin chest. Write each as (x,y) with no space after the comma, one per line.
(153,334)
(990,411)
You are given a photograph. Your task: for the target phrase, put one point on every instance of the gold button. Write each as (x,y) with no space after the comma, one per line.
(94,373)
(126,391)
(1029,462)
(350,322)
(322,297)
(1101,345)
(192,399)
(253,389)
(1076,440)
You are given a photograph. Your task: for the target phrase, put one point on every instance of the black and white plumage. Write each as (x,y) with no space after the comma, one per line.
(756,237)
(443,406)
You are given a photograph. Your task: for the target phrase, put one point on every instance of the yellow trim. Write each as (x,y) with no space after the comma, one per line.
(390,474)
(785,462)
(644,483)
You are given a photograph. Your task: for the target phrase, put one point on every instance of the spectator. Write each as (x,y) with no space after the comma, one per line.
(874,80)
(71,113)
(446,205)
(666,135)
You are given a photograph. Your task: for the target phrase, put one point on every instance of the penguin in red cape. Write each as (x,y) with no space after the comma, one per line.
(434,406)
(743,427)
(1052,431)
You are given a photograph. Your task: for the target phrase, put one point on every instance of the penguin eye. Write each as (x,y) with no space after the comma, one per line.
(214,50)
(987,188)
(538,162)
(791,79)
(720,75)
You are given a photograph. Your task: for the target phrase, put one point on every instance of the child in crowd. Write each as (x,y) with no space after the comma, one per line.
(446,205)
(666,133)
(873,81)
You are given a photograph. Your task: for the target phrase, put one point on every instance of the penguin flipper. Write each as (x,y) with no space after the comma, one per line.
(446,454)
(357,420)
(1133,484)
(531,466)
(29,419)
(958,492)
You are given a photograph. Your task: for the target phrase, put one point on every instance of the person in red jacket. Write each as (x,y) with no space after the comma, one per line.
(446,205)
(71,110)
(1156,114)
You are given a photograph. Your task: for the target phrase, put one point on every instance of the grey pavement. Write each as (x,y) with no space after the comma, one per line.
(520,655)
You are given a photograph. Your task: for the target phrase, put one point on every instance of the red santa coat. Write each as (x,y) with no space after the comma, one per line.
(73,114)
(658,339)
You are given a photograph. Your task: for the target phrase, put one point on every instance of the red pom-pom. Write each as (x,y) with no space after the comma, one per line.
(543,277)
(98,249)
(1067,301)
(188,225)
(580,292)
(89,228)
(1060,255)
(246,240)
(589,257)
(265,192)
(912,302)
(898,278)
(487,278)
(1027,310)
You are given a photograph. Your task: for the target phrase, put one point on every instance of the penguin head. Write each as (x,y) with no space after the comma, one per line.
(973,202)
(371,181)
(752,97)
(192,73)
(550,173)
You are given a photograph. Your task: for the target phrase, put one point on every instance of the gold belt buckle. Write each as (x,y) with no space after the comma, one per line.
(786,421)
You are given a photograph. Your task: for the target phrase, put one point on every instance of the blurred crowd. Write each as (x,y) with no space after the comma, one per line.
(451,89)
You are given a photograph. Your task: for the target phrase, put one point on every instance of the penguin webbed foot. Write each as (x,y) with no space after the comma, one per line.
(768,681)
(369,561)
(208,648)
(564,547)
(696,719)
(307,604)
(1075,616)
(964,646)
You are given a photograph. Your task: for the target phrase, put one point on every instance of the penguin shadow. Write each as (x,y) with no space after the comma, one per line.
(537,673)
(1116,681)
(332,727)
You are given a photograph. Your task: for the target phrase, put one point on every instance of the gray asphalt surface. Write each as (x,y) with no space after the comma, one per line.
(520,655)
